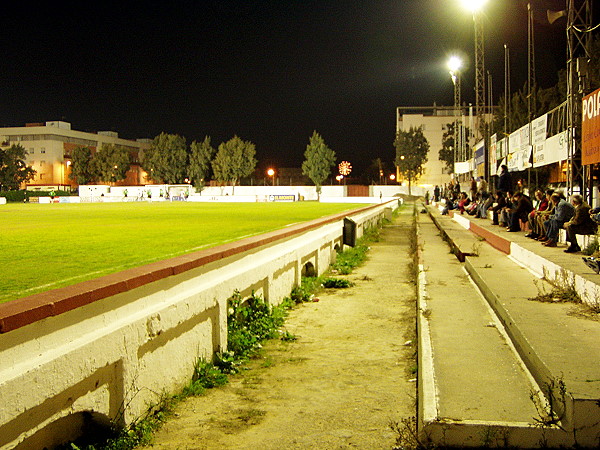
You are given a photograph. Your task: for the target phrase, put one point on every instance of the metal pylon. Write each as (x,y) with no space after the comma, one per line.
(579,21)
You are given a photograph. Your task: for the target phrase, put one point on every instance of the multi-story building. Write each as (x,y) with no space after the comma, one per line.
(49,146)
(433,120)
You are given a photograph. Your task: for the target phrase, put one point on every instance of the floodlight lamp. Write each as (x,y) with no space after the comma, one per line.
(473,5)
(454,64)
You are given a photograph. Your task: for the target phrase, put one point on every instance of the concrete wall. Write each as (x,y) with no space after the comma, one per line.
(105,349)
(377,193)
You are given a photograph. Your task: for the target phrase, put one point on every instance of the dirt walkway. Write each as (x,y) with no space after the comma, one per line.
(340,384)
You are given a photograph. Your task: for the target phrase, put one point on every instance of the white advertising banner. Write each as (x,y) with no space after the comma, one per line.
(539,129)
(502,148)
(462,167)
(524,139)
(512,162)
(514,142)
(554,150)
(493,155)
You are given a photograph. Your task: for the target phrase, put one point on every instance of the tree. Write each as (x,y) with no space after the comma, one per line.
(234,160)
(166,160)
(377,171)
(447,152)
(544,100)
(319,159)
(13,169)
(82,166)
(411,153)
(201,156)
(111,163)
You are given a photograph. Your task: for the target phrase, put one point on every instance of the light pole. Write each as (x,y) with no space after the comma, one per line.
(476,7)
(271,173)
(454,66)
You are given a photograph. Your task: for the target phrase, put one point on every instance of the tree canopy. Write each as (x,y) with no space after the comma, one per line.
(166,160)
(201,155)
(81,165)
(411,153)
(234,160)
(318,161)
(111,163)
(13,169)
(446,153)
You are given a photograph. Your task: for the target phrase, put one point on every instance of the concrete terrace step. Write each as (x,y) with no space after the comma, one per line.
(471,382)
(559,348)
(461,243)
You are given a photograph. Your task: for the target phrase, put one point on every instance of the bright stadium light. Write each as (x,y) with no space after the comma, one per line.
(454,64)
(473,5)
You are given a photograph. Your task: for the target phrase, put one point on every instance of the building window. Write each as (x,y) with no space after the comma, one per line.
(31,151)
(43,150)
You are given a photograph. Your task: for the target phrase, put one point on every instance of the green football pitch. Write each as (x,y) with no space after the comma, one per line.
(43,247)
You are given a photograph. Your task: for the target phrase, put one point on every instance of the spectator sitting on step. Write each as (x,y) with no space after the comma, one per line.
(521,208)
(563,211)
(580,223)
(498,206)
(472,208)
(487,200)
(463,202)
(542,216)
(542,202)
(449,204)
(507,210)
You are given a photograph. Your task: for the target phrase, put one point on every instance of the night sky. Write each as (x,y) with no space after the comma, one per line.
(269,71)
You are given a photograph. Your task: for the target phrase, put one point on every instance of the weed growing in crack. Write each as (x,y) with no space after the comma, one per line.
(563,289)
(336,283)
(407,435)
(551,406)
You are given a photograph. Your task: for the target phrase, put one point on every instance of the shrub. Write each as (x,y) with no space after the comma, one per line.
(337,283)
(250,322)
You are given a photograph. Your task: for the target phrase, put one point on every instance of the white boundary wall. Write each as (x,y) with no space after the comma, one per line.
(127,349)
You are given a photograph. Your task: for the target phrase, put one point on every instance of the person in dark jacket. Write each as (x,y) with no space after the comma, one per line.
(563,212)
(504,180)
(499,206)
(580,223)
(520,212)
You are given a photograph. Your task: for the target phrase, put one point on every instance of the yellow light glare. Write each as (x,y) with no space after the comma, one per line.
(473,5)
(454,64)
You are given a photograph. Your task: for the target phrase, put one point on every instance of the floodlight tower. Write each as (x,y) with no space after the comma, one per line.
(476,7)
(530,81)
(454,66)
(579,25)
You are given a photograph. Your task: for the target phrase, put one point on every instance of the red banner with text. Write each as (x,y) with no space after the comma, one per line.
(590,129)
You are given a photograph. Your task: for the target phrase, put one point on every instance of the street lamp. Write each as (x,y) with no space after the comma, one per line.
(271,173)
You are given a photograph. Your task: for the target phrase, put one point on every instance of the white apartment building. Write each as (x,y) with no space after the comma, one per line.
(49,147)
(433,120)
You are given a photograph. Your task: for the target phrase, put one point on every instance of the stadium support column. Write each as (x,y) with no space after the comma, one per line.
(579,19)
